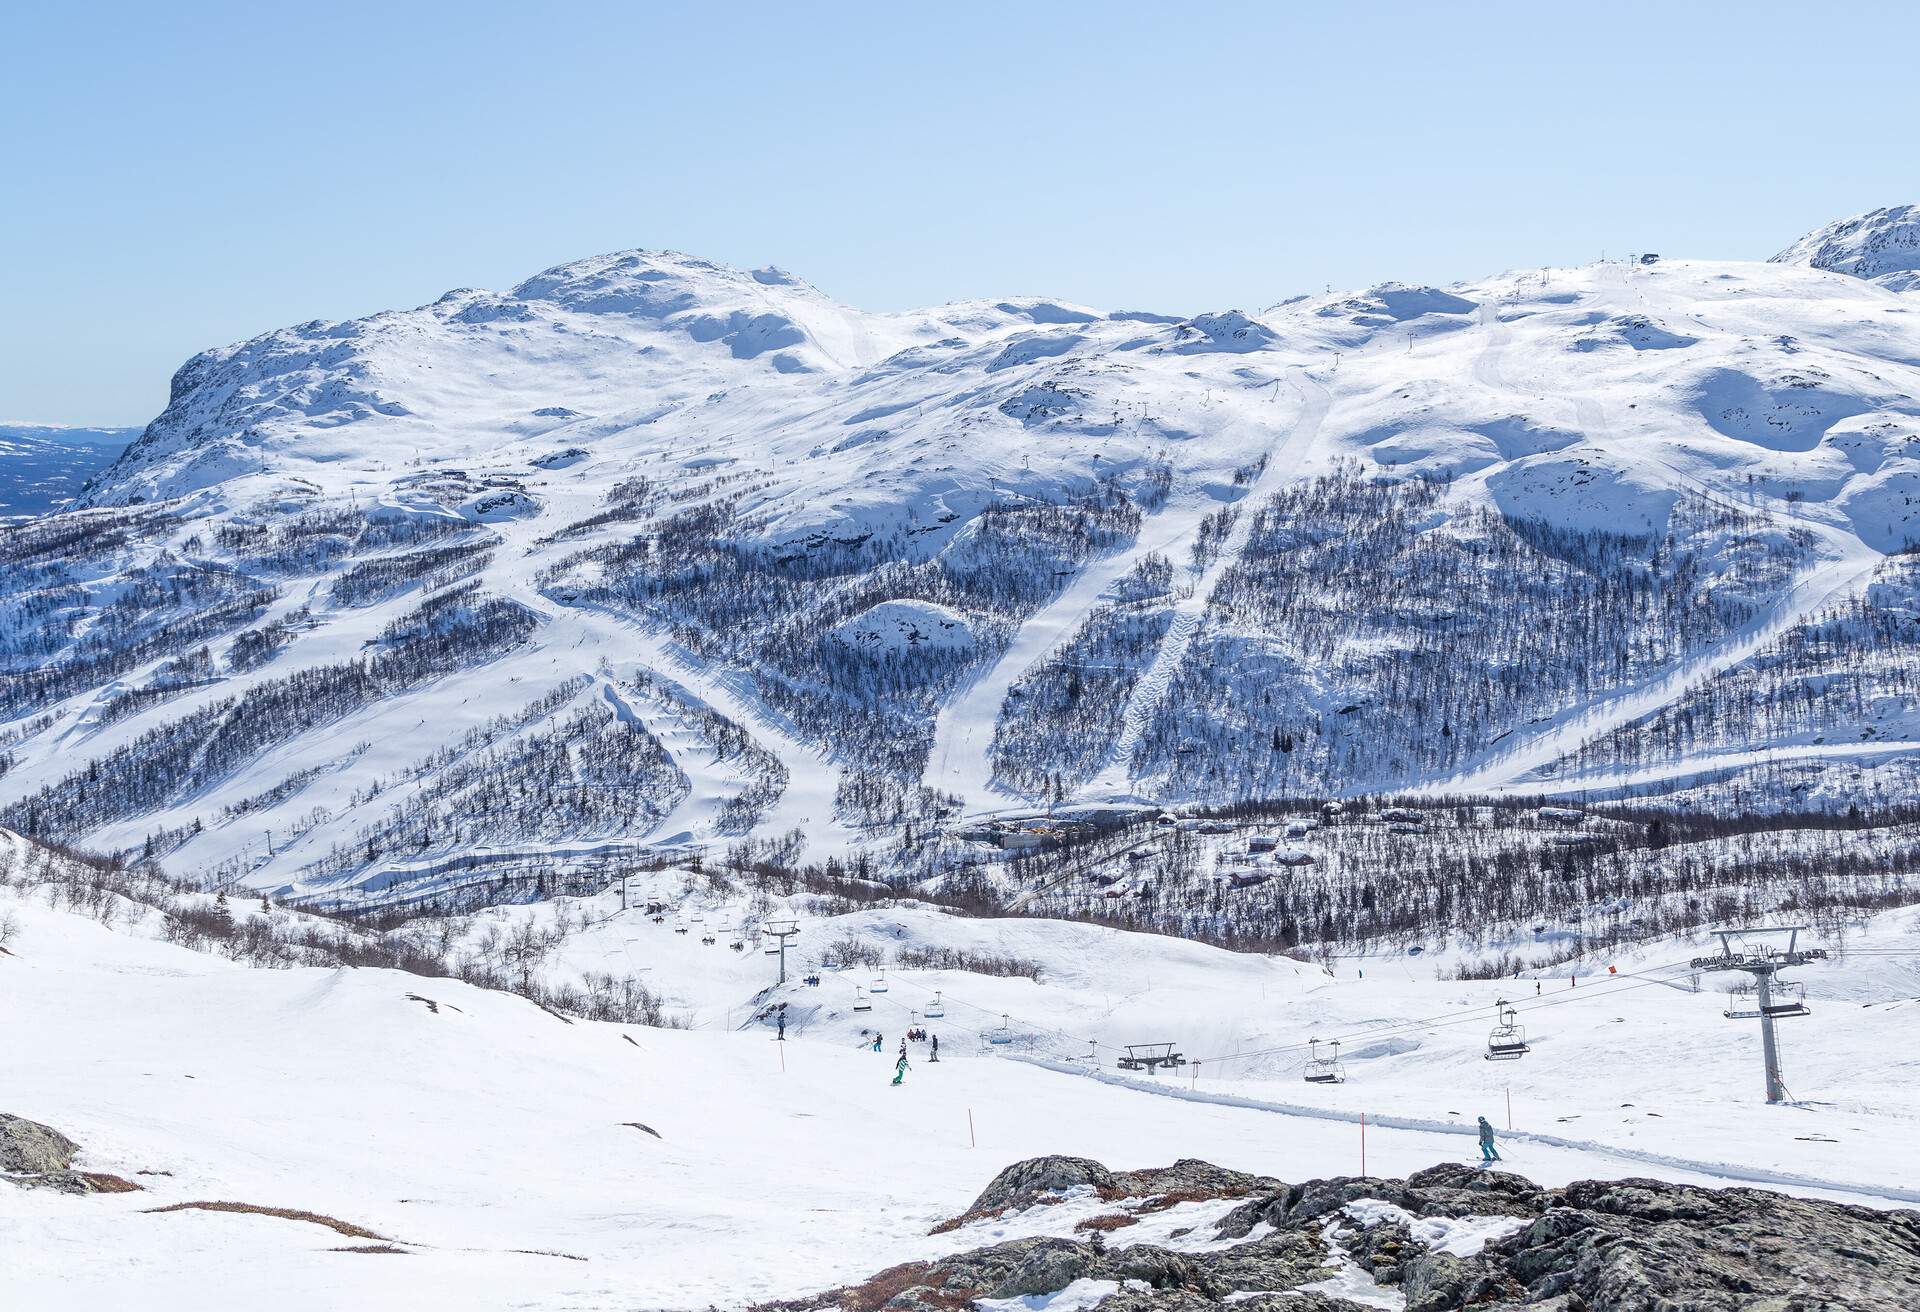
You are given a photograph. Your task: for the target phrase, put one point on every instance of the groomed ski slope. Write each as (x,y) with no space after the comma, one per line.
(492,1141)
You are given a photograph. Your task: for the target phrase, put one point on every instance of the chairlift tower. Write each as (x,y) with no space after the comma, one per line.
(1763,961)
(782,930)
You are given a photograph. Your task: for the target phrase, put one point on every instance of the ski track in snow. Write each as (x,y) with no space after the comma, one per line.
(1852,563)
(1879,1194)
(807,804)
(1116,778)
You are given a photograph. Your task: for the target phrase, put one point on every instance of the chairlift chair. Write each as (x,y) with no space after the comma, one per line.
(1004,1035)
(879,985)
(860,1002)
(1508,1041)
(1325,1070)
(1789,999)
(934,1009)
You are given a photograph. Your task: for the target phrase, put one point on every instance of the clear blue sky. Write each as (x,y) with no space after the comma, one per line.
(183,175)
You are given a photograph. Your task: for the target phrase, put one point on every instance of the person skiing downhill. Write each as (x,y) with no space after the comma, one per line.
(900,1069)
(936,1049)
(876,1043)
(1488,1153)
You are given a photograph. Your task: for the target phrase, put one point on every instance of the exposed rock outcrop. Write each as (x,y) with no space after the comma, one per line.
(36,1156)
(1447,1238)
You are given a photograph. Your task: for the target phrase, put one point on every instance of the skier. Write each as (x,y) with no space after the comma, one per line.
(900,1069)
(783,1026)
(876,1042)
(936,1048)
(1488,1153)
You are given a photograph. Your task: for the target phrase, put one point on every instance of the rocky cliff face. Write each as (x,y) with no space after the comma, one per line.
(1445,1238)
(1881,246)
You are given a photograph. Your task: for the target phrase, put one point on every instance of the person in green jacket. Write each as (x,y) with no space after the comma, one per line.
(900,1069)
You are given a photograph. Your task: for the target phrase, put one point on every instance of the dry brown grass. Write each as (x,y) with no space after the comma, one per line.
(333,1223)
(102,1183)
(876,1291)
(1111,1221)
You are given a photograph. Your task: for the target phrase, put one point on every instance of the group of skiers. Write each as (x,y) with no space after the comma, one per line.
(900,1066)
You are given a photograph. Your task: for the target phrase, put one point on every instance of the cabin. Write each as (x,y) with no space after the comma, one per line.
(1299,828)
(1402,813)
(1562,815)
(1294,856)
(1262,843)
(1247,878)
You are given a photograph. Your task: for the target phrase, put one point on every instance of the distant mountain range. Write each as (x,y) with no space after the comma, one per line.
(44,466)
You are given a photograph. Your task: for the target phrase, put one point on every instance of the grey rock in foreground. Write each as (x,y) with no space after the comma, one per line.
(1595,1246)
(36,1156)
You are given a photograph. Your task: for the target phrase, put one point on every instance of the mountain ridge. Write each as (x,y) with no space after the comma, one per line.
(842,568)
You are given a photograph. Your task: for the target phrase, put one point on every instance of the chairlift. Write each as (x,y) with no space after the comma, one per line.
(1508,1040)
(860,1002)
(708,939)
(737,946)
(1004,1035)
(935,1010)
(1789,999)
(879,985)
(1151,1057)
(679,929)
(1325,1070)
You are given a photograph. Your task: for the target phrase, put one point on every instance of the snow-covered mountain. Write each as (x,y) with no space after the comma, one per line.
(649,551)
(1882,246)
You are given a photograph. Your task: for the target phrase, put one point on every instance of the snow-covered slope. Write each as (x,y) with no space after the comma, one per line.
(650,552)
(487,1152)
(1882,246)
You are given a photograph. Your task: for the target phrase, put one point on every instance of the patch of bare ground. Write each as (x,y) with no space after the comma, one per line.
(333,1223)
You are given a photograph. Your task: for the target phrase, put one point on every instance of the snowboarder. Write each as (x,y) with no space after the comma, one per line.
(900,1069)
(1488,1153)
(936,1049)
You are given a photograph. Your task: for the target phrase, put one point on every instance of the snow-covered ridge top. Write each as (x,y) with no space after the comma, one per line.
(1882,245)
